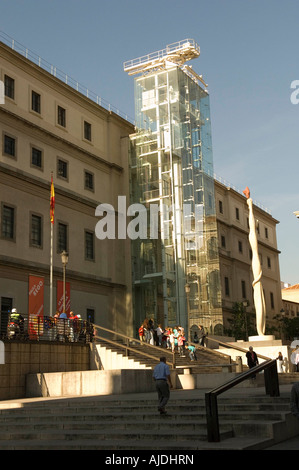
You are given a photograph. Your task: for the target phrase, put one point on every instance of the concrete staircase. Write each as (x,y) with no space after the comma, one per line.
(115,354)
(131,422)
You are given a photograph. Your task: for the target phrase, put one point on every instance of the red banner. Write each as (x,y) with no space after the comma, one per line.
(36,296)
(60,297)
(52,201)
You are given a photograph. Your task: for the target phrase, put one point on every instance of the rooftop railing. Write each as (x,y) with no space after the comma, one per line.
(64,77)
(187,47)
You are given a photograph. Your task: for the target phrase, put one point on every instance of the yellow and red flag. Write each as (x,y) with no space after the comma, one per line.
(52,201)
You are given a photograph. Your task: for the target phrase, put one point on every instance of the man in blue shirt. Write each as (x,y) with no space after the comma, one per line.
(162,377)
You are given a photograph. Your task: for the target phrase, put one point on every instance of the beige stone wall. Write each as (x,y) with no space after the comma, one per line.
(102,284)
(27,358)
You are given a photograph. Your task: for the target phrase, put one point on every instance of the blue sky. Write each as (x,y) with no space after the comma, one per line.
(249,57)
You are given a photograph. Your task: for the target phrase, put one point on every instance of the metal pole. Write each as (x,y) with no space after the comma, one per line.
(212,417)
(64,287)
(51,272)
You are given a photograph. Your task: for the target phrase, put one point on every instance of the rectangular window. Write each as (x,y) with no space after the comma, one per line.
(272,300)
(266,232)
(87,130)
(89,246)
(269,262)
(89,180)
(240,246)
(6,306)
(36,230)
(62,237)
(226,286)
(36,157)
(9,146)
(9,87)
(237,213)
(61,116)
(36,102)
(223,242)
(62,169)
(220,207)
(8,222)
(243,287)
(90,314)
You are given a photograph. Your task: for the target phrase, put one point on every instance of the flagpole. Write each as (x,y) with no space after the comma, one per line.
(52,206)
(51,273)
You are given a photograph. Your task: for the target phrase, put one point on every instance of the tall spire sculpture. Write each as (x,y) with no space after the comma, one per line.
(258,293)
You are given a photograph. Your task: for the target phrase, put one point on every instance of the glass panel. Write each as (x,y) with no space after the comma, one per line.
(171,165)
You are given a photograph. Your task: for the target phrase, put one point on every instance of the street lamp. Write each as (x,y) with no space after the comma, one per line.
(64,259)
(187,290)
(245,305)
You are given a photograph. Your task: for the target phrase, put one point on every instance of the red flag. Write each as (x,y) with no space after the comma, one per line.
(52,201)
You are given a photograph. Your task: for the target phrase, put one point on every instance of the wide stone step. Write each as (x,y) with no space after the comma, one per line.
(102,434)
(138,417)
(174,411)
(112,423)
(95,444)
(146,407)
(166,445)
(187,425)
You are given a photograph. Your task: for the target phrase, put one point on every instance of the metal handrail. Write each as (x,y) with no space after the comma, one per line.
(271,385)
(171,362)
(128,348)
(237,348)
(170,48)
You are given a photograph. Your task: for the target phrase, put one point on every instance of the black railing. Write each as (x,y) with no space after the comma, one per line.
(271,385)
(46,328)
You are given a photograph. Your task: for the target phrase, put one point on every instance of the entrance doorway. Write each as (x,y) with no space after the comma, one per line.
(6,306)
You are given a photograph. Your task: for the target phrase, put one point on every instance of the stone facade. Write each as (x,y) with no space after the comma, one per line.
(47,127)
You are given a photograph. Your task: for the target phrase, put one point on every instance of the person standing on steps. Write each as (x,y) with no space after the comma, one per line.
(141,333)
(252,359)
(181,342)
(162,378)
(201,336)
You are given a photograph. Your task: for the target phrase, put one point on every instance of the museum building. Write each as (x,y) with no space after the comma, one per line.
(197,267)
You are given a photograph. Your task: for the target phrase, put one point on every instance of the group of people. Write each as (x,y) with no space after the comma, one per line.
(72,328)
(172,338)
(60,326)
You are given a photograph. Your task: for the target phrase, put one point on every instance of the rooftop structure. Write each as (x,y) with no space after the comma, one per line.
(177,53)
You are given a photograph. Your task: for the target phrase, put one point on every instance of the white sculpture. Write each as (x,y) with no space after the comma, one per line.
(258,293)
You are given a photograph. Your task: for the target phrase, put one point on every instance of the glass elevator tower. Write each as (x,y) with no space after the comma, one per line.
(175,267)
